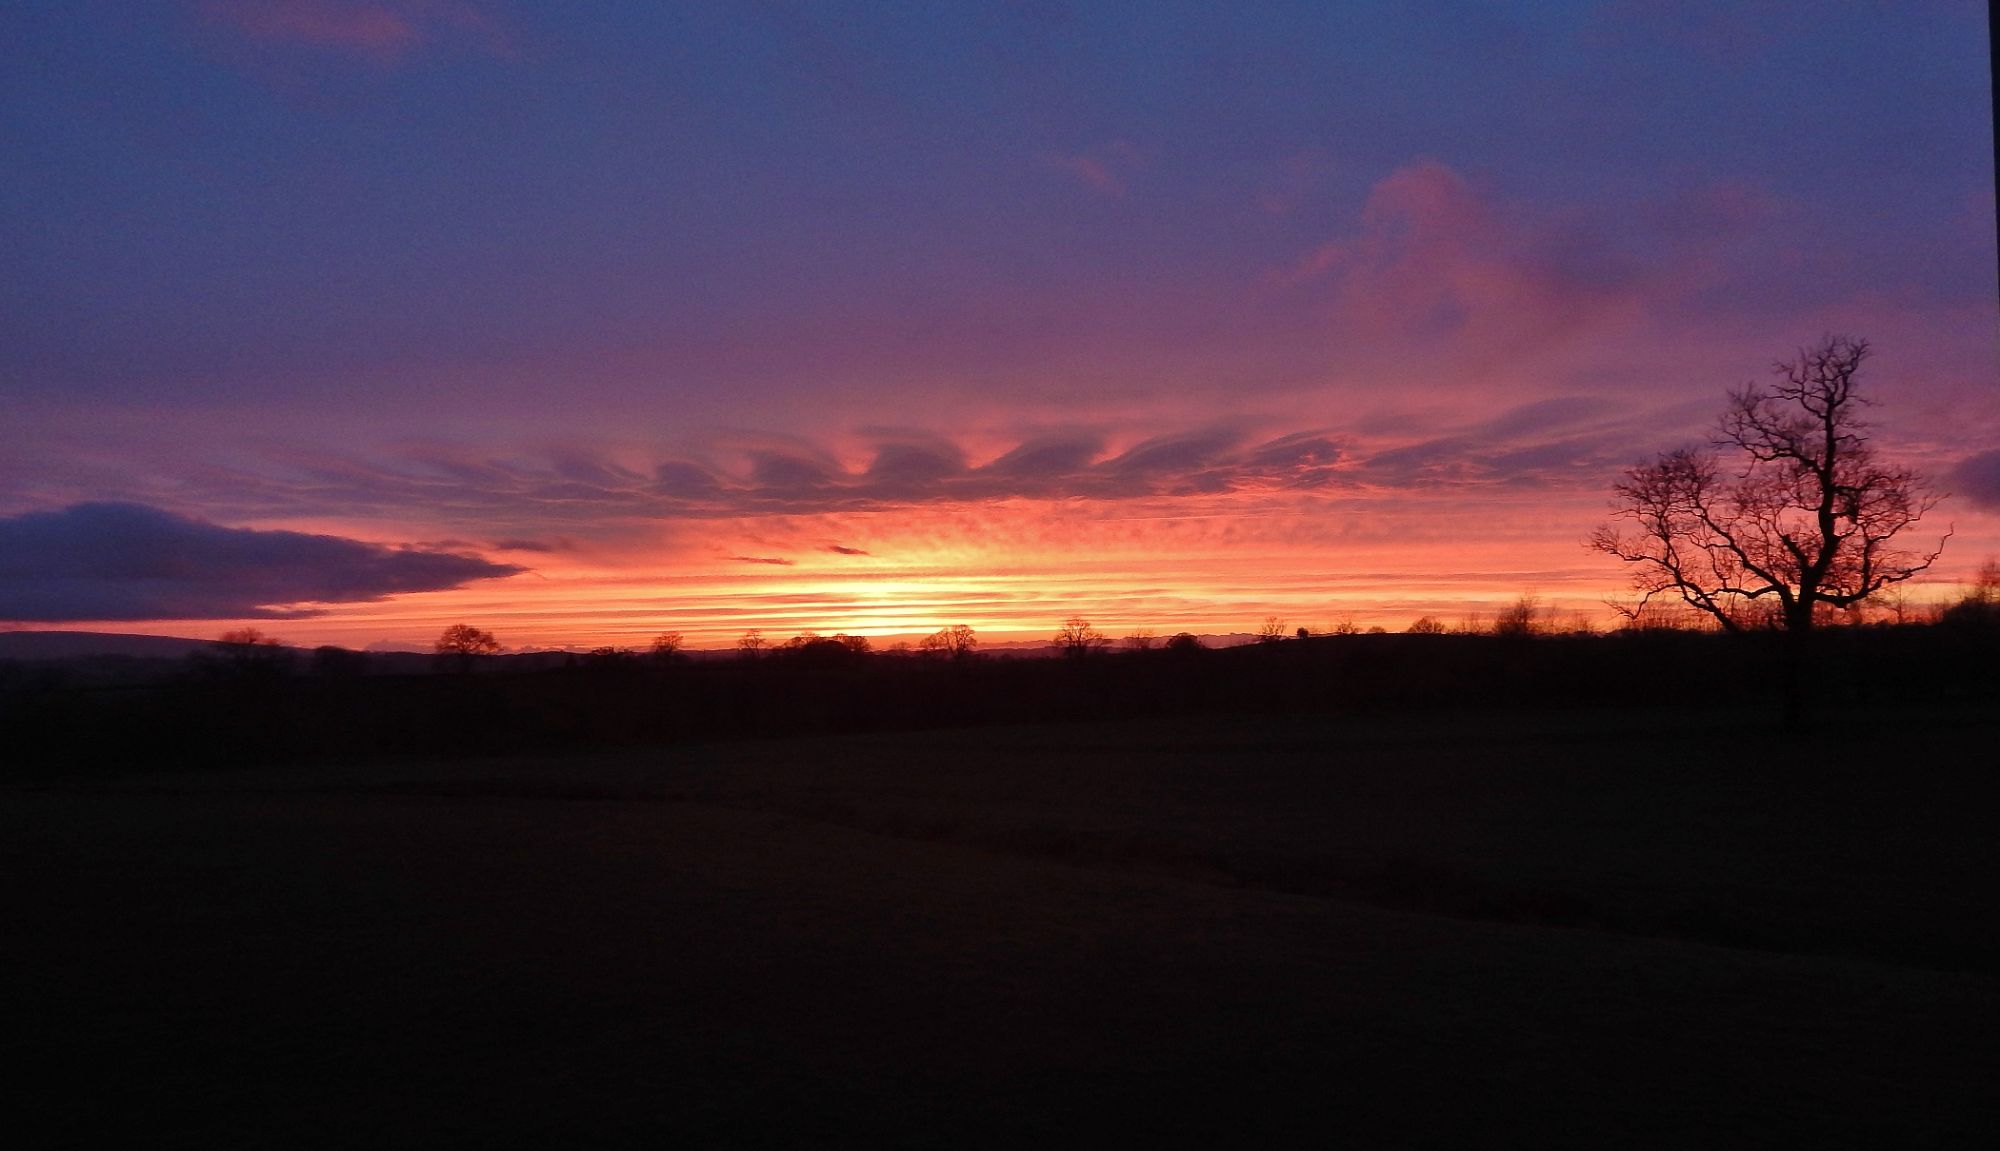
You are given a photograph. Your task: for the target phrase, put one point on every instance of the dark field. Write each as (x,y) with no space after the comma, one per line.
(1605,929)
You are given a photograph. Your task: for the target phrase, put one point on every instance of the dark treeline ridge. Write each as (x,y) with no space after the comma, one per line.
(223,715)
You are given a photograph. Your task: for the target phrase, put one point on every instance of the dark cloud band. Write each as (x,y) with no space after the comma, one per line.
(121,561)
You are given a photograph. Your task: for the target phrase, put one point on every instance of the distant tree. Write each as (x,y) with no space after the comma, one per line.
(751,645)
(1980,606)
(1272,630)
(666,647)
(1077,638)
(1141,640)
(249,652)
(1522,618)
(1183,642)
(954,642)
(812,649)
(611,659)
(1427,625)
(1803,520)
(1306,632)
(461,645)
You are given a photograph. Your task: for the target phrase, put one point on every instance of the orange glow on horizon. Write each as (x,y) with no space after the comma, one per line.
(1013,570)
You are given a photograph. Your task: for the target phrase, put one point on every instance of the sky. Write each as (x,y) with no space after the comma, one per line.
(351,319)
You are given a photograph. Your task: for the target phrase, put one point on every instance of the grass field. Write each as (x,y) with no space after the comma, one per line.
(1644,928)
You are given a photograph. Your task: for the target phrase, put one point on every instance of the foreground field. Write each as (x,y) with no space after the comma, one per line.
(1630,929)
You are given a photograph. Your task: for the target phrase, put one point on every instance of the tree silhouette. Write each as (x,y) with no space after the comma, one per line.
(1077,638)
(956,641)
(1272,630)
(1524,617)
(248,652)
(1980,606)
(1804,521)
(666,647)
(461,644)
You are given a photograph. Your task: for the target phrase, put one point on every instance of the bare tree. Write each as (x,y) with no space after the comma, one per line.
(1142,639)
(1077,638)
(1524,617)
(666,647)
(956,641)
(1804,522)
(1427,625)
(1272,630)
(249,652)
(751,644)
(462,643)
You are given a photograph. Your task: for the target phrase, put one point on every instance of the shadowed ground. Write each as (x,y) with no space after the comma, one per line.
(1635,929)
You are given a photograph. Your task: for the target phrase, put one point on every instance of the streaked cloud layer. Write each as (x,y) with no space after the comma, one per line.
(1259,298)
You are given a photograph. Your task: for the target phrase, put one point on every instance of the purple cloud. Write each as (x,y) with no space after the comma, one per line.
(1977,478)
(120,561)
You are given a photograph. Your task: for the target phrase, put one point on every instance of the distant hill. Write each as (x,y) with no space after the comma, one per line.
(85,644)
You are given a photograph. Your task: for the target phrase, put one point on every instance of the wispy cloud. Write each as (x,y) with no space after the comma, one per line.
(1107,171)
(530,503)
(778,561)
(381,31)
(118,561)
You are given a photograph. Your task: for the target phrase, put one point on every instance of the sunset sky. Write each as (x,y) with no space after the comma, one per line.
(351,319)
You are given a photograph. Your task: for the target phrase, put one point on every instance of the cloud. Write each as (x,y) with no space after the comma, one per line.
(777,560)
(1106,173)
(1438,278)
(1565,441)
(839,549)
(121,561)
(907,465)
(525,503)
(381,31)
(781,472)
(1977,478)
(1048,458)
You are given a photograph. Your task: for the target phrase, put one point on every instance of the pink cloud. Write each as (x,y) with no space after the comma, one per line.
(1438,276)
(1105,172)
(382,31)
